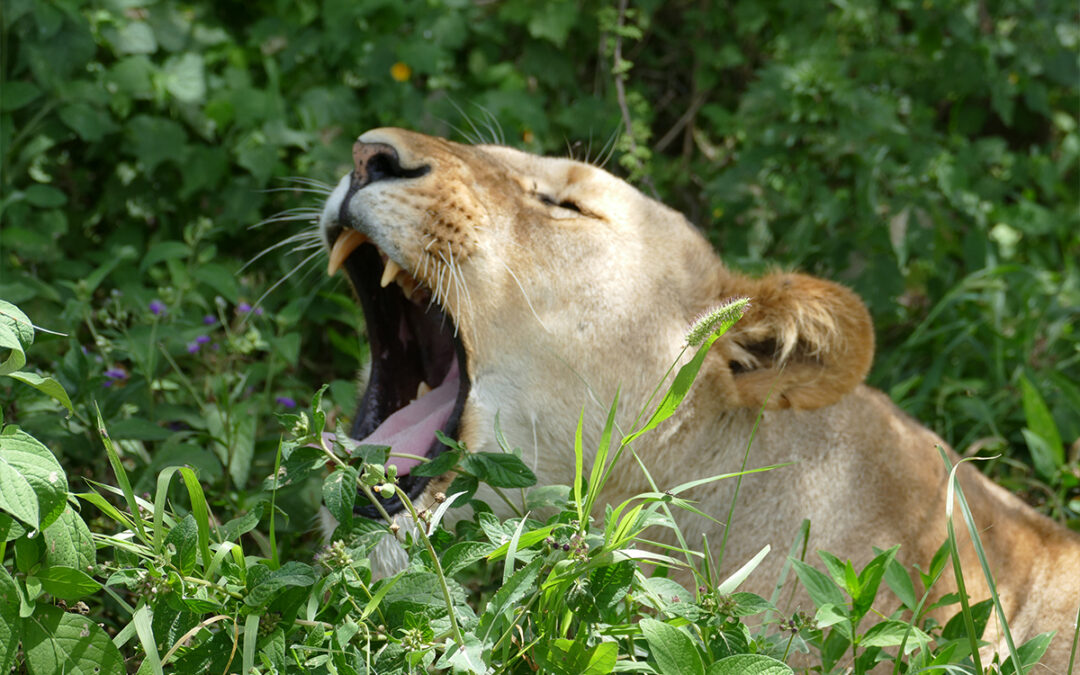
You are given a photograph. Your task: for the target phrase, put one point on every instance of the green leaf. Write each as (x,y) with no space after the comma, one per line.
(90,123)
(184,538)
(521,584)
(898,579)
(45,196)
(67,583)
(55,641)
(1041,423)
(292,573)
(680,386)
(339,494)
(16,95)
(184,78)
(153,140)
(9,621)
(821,588)
(464,553)
(571,657)
(45,385)
(219,278)
(890,634)
(162,251)
(68,542)
(749,664)
(1030,652)
(671,648)
(33,487)
(499,469)
(16,334)
(135,37)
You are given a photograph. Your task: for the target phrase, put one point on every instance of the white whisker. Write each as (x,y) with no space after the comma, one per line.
(285,278)
(525,295)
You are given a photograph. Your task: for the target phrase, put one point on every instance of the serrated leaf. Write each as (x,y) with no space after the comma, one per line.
(462,554)
(89,122)
(184,77)
(339,494)
(672,649)
(67,583)
(292,573)
(184,539)
(749,664)
(68,542)
(33,487)
(55,641)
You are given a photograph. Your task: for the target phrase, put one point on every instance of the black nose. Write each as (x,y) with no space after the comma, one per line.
(378,161)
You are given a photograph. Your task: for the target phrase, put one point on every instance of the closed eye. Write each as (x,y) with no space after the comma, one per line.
(564,204)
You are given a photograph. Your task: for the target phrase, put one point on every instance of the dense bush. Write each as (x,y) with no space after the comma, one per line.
(925,153)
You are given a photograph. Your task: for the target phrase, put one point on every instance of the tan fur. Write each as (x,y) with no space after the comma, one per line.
(559,310)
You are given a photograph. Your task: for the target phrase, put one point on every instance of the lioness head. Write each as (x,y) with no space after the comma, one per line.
(496,282)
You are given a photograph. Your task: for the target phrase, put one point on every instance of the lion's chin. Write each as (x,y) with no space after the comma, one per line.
(418,382)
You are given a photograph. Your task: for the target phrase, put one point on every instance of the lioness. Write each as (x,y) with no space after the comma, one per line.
(523,286)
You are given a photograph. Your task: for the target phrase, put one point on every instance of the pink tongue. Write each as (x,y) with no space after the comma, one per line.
(412,428)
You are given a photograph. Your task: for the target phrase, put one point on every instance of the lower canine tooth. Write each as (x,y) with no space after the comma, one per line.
(422,389)
(389,273)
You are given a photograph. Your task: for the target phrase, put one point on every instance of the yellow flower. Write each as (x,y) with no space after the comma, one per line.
(400,72)
(527,136)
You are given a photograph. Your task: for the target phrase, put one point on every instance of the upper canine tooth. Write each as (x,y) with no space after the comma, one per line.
(389,272)
(346,243)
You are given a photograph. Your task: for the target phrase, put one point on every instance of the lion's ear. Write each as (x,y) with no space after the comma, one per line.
(803,343)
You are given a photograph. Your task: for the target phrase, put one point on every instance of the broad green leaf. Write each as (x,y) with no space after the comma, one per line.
(16,95)
(671,648)
(749,664)
(891,634)
(16,335)
(821,588)
(162,251)
(464,553)
(292,573)
(1030,652)
(92,124)
(45,385)
(33,487)
(68,541)
(499,469)
(339,494)
(55,642)
(898,579)
(184,77)
(1041,422)
(570,657)
(67,583)
(184,540)
(9,621)
(45,196)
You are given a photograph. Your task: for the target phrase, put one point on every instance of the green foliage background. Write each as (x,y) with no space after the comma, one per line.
(924,152)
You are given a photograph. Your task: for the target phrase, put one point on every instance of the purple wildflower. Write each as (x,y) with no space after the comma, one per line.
(157,307)
(209,319)
(192,347)
(285,402)
(202,339)
(114,375)
(258,311)
(243,308)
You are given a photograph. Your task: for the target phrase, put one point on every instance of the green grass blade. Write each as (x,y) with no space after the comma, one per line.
(121,476)
(143,619)
(251,639)
(973,531)
(579,470)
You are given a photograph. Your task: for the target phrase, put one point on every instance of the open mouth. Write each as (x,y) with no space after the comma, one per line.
(418,382)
